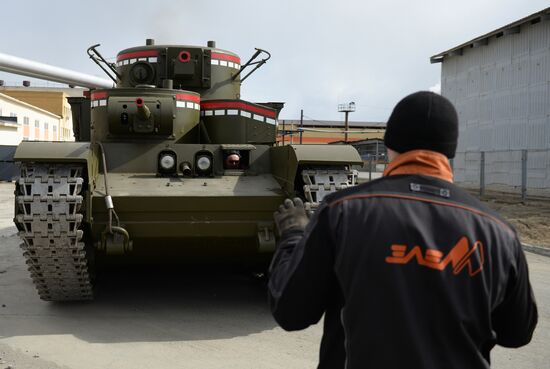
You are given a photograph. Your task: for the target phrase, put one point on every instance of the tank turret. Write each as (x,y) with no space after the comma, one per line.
(207,70)
(214,73)
(144,113)
(197,88)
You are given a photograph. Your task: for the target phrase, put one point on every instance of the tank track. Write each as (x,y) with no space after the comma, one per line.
(320,182)
(48,217)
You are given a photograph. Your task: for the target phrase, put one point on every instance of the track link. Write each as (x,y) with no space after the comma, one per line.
(320,182)
(48,217)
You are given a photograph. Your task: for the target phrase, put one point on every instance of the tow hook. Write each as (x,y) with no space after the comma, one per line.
(116,242)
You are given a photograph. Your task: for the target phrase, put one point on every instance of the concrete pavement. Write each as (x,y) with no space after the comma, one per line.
(154,319)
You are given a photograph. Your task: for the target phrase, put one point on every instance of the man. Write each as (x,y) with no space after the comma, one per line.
(233,160)
(409,270)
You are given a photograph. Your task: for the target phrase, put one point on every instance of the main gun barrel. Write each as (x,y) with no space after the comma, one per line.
(25,67)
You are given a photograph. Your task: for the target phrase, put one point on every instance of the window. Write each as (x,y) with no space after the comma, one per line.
(0,112)
(25,121)
(46,125)
(54,128)
(13,115)
(36,124)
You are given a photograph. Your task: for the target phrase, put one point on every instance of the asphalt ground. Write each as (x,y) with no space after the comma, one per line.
(161,319)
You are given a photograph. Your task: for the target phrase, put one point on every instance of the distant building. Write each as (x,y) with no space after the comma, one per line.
(53,100)
(22,121)
(326,131)
(500,85)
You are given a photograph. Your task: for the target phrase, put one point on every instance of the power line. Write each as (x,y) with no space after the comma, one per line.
(313,120)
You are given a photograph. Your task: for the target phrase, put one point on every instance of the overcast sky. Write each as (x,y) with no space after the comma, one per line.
(323,52)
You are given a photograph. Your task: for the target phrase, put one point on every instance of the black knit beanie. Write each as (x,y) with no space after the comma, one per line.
(423,120)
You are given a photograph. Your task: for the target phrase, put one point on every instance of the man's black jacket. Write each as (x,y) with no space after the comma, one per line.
(410,272)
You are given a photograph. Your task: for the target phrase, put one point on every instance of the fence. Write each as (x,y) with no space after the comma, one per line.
(525,173)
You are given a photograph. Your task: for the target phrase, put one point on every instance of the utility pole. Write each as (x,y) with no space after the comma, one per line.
(346,109)
(301,124)
(284,132)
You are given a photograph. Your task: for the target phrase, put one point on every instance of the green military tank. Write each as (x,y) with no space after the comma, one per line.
(169,165)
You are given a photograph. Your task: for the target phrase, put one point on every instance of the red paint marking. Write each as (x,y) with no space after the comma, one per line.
(231,58)
(308,139)
(188,97)
(99,95)
(238,105)
(137,54)
(184,56)
(139,102)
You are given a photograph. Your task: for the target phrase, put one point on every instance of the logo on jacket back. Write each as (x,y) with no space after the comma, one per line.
(460,256)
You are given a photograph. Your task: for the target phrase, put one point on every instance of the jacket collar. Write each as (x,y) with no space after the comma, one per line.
(423,162)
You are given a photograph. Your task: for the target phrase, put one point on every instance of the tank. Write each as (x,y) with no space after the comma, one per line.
(169,165)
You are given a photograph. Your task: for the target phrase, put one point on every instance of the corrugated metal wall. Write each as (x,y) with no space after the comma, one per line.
(502,95)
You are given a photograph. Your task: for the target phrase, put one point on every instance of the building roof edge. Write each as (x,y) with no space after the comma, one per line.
(482,40)
(30,106)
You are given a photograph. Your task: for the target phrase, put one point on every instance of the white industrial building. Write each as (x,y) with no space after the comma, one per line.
(30,123)
(500,85)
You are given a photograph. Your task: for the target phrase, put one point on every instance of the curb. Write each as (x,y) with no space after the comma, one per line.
(544,251)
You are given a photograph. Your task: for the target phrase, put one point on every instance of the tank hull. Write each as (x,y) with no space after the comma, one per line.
(192,219)
(225,217)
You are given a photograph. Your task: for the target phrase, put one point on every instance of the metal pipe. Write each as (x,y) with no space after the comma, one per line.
(301,124)
(346,127)
(186,169)
(25,67)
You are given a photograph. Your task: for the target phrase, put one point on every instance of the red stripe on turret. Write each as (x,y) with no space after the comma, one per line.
(238,105)
(231,58)
(188,97)
(99,95)
(137,54)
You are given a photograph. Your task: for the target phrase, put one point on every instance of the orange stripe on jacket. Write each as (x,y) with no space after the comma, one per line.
(424,162)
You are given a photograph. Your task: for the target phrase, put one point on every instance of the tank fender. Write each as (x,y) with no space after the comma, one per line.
(286,159)
(63,152)
(60,152)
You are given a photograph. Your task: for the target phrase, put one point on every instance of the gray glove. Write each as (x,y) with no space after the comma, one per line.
(291,216)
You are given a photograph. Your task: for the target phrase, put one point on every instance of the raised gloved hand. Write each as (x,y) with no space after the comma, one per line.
(291,216)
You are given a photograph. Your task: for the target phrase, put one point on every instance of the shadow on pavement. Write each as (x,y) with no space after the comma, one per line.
(141,305)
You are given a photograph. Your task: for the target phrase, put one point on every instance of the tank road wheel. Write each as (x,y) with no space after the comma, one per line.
(48,216)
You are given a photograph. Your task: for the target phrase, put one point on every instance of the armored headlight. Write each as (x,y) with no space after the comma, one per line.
(204,163)
(167,162)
